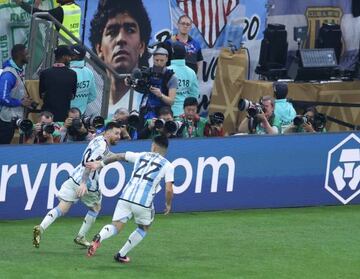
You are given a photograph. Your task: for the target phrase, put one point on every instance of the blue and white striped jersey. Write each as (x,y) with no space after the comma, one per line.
(149,169)
(97,149)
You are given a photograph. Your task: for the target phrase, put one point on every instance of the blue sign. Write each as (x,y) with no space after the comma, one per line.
(210,174)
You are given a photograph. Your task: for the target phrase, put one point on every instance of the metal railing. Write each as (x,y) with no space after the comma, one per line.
(44,38)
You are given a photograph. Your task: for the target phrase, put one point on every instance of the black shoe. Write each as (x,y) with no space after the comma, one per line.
(120,259)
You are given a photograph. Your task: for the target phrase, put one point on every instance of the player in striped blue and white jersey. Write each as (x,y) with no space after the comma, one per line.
(136,200)
(82,184)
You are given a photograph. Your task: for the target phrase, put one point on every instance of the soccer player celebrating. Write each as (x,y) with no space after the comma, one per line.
(82,184)
(137,197)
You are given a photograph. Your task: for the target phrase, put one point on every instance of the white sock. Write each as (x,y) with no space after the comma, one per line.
(52,215)
(133,240)
(87,223)
(108,231)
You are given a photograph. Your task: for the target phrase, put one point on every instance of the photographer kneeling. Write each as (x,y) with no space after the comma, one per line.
(163,125)
(261,118)
(192,125)
(128,123)
(73,128)
(45,131)
(310,122)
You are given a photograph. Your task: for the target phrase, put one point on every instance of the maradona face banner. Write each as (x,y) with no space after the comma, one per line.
(210,174)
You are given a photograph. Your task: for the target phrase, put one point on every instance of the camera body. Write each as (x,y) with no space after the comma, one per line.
(300,120)
(142,79)
(93,121)
(48,128)
(252,109)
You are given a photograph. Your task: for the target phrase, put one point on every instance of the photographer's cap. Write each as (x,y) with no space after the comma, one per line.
(161,51)
(218,117)
(179,51)
(78,50)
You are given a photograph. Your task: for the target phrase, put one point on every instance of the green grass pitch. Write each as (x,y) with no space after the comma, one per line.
(321,242)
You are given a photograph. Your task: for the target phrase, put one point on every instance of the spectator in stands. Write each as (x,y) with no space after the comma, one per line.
(215,125)
(45,131)
(192,125)
(86,90)
(68,14)
(310,122)
(57,85)
(283,109)
(120,33)
(187,81)
(73,128)
(264,122)
(194,56)
(162,88)
(13,97)
(160,125)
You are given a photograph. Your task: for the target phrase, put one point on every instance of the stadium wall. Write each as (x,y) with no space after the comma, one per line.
(211,174)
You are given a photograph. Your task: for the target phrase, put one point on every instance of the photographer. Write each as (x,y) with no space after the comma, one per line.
(192,125)
(73,128)
(261,118)
(13,97)
(160,89)
(310,122)
(45,131)
(164,125)
(215,126)
(128,123)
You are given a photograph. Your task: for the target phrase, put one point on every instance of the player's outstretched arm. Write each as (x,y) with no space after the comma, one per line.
(108,160)
(168,197)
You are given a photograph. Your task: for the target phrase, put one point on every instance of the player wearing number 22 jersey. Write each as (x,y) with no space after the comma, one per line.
(82,184)
(136,199)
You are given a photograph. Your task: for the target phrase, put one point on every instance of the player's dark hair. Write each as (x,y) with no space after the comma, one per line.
(161,141)
(16,50)
(112,125)
(109,9)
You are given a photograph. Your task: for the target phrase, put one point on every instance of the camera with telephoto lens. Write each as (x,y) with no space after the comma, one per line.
(170,126)
(142,79)
(216,118)
(252,109)
(48,128)
(25,125)
(93,121)
(319,122)
(300,120)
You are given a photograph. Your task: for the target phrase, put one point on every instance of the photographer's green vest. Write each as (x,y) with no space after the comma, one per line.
(273,121)
(192,129)
(150,104)
(71,21)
